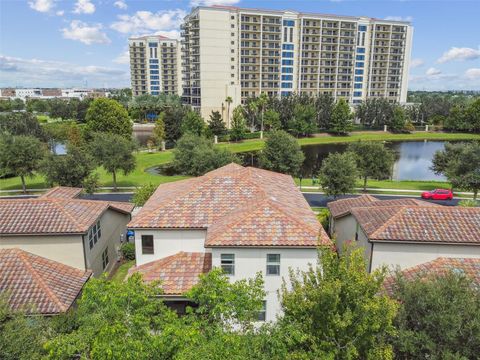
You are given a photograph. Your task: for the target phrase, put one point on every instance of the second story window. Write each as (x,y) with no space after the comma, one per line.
(147,244)
(273,264)
(227,263)
(105,260)
(94,234)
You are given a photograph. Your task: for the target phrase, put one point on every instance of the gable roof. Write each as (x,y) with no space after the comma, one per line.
(239,206)
(39,285)
(56,212)
(440,266)
(177,273)
(424,224)
(62,192)
(343,207)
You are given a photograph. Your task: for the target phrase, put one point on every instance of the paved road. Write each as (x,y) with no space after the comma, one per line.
(314,199)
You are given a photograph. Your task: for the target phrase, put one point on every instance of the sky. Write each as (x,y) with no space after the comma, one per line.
(83,43)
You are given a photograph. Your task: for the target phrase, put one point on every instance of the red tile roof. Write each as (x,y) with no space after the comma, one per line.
(177,273)
(440,266)
(239,206)
(38,285)
(437,224)
(62,192)
(53,215)
(343,207)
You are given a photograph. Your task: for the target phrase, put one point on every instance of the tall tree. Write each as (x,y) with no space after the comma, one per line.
(341,121)
(373,159)
(159,130)
(193,123)
(375,113)
(324,105)
(303,122)
(334,310)
(272,120)
(338,174)
(239,126)
(22,124)
(20,156)
(472,114)
(107,115)
(70,169)
(216,125)
(439,317)
(399,120)
(460,163)
(282,153)
(262,103)
(195,155)
(173,118)
(229,101)
(114,153)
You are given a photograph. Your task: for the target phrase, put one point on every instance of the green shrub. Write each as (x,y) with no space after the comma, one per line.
(143,193)
(323,217)
(468,203)
(128,251)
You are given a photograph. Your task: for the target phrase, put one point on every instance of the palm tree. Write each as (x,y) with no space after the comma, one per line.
(228,100)
(262,101)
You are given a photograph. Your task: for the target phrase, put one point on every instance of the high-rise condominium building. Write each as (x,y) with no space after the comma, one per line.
(154,65)
(239,53)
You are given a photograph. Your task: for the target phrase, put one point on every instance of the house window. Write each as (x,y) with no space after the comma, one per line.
(356,233)
(147,244)
(105,260)
(94,234)
(227,263)
(273,264)
(262,314)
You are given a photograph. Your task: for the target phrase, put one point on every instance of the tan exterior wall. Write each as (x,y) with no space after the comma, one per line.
(408,255)
(66,249)
(113,225)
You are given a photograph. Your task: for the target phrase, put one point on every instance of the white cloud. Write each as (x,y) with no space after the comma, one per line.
(456,53)
(84,7)
(120,4)
(212,2)
(42,5)
(46,73)
(60,13)
(399,18)
(146,21)
(432,72)
(415,63)
(87,34)
(123,58)
(473,74)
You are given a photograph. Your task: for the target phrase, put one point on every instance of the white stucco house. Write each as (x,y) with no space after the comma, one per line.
(59,226)
(406,232)
(244,220)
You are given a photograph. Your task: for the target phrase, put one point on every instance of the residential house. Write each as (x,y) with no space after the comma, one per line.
(468,267)
(37,285)
(405,232)
(62,227)
(244,220)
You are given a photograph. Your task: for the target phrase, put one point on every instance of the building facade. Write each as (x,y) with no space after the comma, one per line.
(239,53)
(154,65)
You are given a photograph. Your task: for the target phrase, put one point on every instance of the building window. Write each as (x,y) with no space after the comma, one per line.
(359,64)
(227,263)
(362,28)
(147,244)
(360,57)
(105,260)
(273,264)
(262,314)
(358,71)
(357,93)
(361,50)
(94,234)
(287,62)
(357,86)
(358,78)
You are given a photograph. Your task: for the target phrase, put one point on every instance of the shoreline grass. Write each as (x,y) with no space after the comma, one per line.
(147,160)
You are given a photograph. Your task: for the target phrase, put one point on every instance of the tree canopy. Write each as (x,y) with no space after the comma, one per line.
(108,116)
(338,174)
(282,153)
(341,120)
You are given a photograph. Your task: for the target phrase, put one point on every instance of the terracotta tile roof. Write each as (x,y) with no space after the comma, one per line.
(223,201)
(52,215)
(62,192)
(438,224)
(177,273)
(38,285)
(343,207)
(440,266)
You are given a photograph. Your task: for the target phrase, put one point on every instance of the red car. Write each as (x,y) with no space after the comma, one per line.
(438,194)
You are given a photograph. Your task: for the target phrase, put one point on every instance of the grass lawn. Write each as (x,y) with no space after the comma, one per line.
(388,184)
(146,160)
(121,271)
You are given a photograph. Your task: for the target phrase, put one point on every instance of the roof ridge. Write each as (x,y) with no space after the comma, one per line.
(39,279)
(62,209)
(279,208)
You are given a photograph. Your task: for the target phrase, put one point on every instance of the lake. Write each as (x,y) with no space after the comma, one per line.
(413,158)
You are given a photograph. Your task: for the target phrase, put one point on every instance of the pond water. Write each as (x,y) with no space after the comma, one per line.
(413,158)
